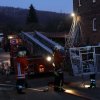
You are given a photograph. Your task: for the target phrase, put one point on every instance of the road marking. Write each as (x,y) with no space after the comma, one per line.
(41,89)
(36,89)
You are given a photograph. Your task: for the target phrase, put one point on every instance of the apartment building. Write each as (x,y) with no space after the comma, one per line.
(89,13)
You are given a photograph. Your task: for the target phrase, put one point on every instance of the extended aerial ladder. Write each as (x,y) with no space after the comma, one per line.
(48,42)
(75,34)
(38,40)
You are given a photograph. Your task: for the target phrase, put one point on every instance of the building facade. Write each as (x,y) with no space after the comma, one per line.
(89,12)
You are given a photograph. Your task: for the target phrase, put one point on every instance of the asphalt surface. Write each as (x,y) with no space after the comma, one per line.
(39,89)
(36,95)
(79,84)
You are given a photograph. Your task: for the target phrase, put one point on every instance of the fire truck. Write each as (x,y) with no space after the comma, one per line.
(36,64)
(39,55)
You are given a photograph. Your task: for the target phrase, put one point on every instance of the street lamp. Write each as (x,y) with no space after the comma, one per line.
(75,17)
(73,14)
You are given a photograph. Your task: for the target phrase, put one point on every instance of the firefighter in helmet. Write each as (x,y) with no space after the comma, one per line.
(58,70)
(21,66)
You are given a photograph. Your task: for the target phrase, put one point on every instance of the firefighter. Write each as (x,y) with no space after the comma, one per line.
(21,66)
(58,56)
(59,79)
(56,80)
(58,70)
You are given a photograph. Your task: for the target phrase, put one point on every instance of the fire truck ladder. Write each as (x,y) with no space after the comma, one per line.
(25,36)
(75,34)
(48,42)
(41,40)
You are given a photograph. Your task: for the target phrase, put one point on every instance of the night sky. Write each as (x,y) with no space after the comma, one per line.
(63,6)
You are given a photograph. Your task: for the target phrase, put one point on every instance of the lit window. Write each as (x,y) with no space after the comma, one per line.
(79,3)
(94,1)
(94,24)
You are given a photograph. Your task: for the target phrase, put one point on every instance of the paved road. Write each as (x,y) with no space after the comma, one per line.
(36,90)
(36,95)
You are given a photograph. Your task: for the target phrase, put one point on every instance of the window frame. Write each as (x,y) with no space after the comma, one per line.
(94,24)
(79,3)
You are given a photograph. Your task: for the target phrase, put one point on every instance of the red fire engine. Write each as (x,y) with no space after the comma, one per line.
(36,64)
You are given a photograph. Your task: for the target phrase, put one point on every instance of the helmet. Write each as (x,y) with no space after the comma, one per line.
(57,47)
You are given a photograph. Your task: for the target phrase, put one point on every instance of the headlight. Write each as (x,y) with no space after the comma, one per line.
(10,37)
(48,58)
